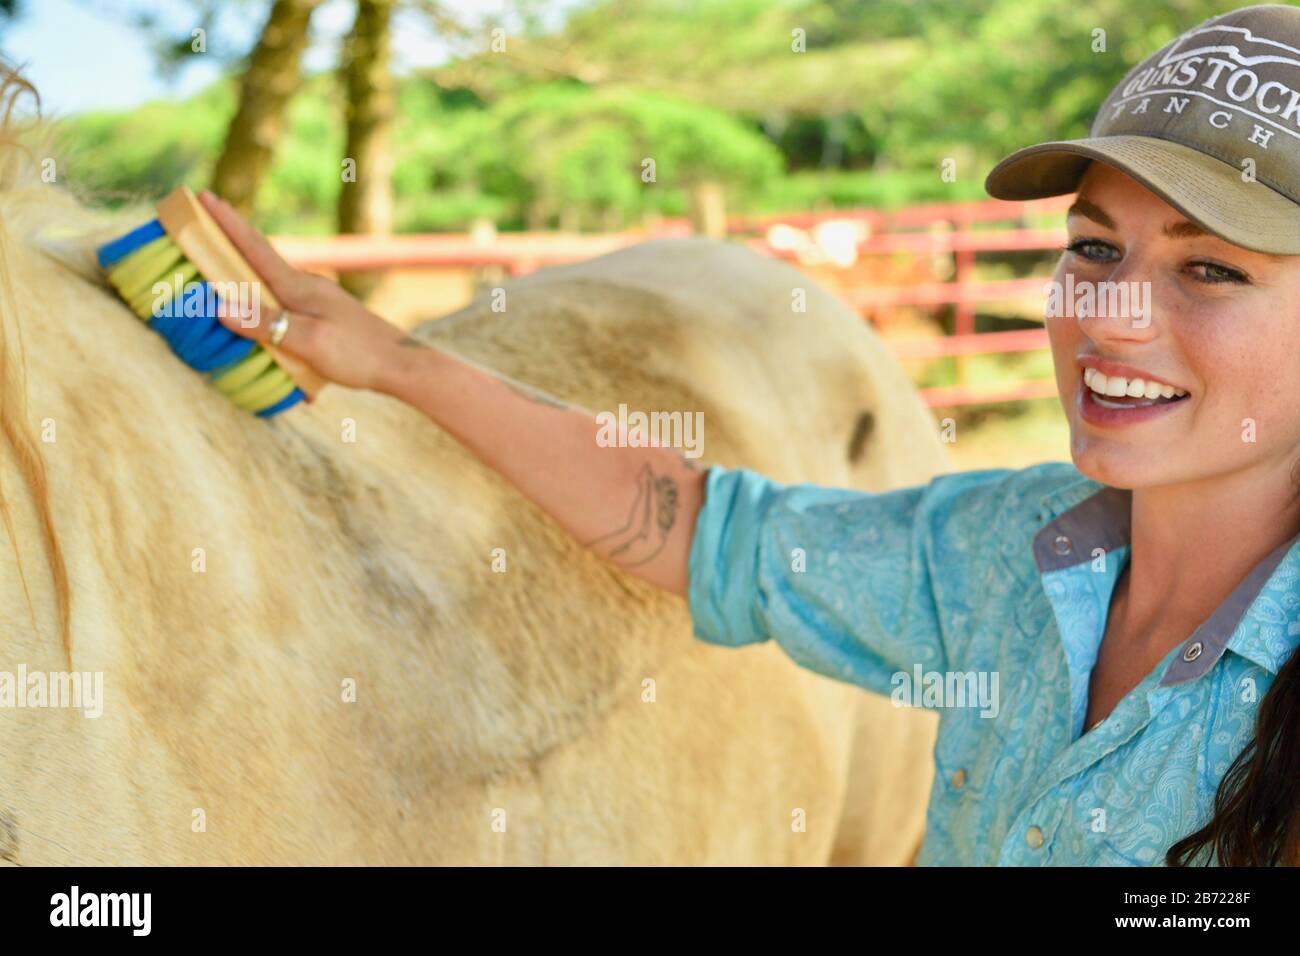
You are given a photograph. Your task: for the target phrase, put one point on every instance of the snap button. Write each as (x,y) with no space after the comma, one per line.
(1193,651)
(1061,545)
(1034,837)
(959,778)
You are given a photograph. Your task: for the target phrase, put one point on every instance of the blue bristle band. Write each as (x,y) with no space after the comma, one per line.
(210,351)
(111,253)
(228,353)
(168,325)
(290,400)
(198,319)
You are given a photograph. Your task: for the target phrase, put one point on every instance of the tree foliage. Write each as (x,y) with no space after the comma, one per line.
(557,127)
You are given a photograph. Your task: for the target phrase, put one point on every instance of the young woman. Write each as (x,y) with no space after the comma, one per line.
(1135,614)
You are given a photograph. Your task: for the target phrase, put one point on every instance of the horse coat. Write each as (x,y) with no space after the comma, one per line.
(306,653)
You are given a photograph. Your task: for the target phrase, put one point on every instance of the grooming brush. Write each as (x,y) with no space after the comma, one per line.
(171,271)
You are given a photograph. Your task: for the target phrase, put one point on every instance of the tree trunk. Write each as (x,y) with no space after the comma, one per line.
(366,203)
(535,216)
(274,72)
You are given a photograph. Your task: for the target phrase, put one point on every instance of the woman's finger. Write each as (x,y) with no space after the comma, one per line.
(242,319)
(284,279)
(284,330)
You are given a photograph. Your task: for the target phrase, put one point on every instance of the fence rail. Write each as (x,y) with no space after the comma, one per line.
(936,229)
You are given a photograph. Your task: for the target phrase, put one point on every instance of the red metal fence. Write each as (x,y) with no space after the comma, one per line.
(945,229)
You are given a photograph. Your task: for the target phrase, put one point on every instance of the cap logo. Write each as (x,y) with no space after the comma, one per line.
(1221,66)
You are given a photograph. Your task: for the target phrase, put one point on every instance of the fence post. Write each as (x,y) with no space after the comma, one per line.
(708,210)
(964,310)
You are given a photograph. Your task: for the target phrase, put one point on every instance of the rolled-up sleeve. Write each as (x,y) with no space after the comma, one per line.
(843,580)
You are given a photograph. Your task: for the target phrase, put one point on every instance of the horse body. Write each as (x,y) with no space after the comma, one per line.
(307,654)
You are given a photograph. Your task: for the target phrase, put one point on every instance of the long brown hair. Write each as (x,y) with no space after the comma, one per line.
(1256,818)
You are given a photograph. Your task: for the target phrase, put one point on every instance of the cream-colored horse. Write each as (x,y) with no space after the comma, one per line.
(306,653)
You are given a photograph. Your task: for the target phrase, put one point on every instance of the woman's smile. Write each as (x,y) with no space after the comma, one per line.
(1125,396)
(1110,412)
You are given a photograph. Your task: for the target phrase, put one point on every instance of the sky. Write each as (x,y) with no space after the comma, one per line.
(84,55)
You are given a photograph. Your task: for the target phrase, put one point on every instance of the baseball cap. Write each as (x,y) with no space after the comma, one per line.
(1184,123)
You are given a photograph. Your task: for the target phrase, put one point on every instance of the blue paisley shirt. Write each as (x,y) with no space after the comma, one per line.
(984,594)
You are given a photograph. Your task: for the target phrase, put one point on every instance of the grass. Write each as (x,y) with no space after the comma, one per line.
(983,371)
(1010,435)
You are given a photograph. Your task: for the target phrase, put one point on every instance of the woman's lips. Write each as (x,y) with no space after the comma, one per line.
(1092,412)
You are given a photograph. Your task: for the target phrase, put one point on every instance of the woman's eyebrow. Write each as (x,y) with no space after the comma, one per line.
(1185,229)
(1083,207)
(1182,229)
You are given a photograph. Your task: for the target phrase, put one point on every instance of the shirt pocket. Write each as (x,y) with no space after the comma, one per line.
(968,751)
(969,797)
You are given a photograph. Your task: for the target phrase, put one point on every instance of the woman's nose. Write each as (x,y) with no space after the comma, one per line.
(1122,306)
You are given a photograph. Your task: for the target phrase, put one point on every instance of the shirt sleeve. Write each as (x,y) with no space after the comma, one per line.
(844,580)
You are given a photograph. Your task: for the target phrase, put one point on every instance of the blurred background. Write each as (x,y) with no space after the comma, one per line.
(420,150)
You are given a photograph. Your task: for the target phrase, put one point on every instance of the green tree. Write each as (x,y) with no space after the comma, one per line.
(272,77)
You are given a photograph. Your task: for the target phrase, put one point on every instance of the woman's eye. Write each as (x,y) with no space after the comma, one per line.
(1216,274)
(1091,249)
(1207,273)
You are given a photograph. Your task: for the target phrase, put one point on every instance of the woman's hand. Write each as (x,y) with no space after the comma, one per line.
(329,330)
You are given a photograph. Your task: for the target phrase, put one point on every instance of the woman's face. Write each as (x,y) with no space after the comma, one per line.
(1222,324)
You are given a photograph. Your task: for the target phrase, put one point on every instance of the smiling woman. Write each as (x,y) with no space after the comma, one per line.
(1190,404)
(1206,460)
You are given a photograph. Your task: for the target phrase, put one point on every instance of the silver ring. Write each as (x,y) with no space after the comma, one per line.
(279,328)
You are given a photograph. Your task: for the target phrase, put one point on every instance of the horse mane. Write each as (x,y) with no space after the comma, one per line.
(37,214)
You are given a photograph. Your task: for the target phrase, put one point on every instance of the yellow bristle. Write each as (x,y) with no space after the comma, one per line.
(265,391)
(144,264)
(139,271)
(143,304)
(243,373)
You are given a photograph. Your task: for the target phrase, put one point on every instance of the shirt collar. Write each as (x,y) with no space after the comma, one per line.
(1259,620)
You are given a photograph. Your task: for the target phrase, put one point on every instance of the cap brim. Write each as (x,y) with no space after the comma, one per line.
(1208,191)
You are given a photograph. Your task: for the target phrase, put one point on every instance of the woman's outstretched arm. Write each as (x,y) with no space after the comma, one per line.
(634,506)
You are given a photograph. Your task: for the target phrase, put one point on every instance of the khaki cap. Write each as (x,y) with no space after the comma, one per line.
(1210,123)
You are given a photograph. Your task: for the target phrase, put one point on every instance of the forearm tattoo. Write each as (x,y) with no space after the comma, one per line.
(649,521)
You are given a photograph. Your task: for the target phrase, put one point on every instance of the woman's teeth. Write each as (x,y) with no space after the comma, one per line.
(1116,386)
